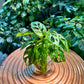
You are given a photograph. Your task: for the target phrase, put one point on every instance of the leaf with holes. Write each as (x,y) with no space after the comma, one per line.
(38,28)
(26,44)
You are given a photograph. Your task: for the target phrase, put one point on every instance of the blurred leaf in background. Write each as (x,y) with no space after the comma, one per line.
(65,16)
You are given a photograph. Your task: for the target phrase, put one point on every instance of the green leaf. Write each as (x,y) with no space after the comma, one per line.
(68,9)
(81,2)
(77,34)
(24,34)
(66,46)
(68,38)
(1,11)
(81,44)
(64,41)
(13,22)
(46,21)
(75,44)
(60,25)
(6,2)
(25,2)
(23,14)
(51,22)
(29,54)
(38,28)
(31,18)
(26,44)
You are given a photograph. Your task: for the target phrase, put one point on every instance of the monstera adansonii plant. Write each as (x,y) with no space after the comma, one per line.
(43,43)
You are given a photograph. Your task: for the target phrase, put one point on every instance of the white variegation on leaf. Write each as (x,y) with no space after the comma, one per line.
(38,28)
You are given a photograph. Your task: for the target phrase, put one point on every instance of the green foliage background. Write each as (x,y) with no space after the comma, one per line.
(65,16)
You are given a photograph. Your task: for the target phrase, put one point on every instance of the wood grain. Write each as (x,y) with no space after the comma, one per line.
(14,71)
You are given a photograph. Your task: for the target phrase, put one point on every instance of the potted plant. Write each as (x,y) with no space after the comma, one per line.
(43,46)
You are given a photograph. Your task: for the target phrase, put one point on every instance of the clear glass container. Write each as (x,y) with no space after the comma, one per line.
(49,65)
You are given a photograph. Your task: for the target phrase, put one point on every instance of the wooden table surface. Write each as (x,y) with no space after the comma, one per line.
(14,71)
